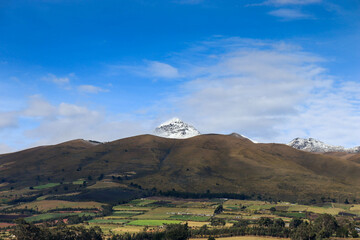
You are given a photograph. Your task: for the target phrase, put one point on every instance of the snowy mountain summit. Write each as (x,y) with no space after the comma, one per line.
(313,145)
(175,128)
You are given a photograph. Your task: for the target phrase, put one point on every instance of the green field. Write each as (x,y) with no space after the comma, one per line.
(78,182)
(49,216)
(47,205)
(108,221)
(152,222)
(190,218)
(291,214)
(141,202)
(49,185)
(130,208)
(155,212)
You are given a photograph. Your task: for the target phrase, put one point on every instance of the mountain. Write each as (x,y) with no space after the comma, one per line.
(175,128)
(313,145)
(205,163)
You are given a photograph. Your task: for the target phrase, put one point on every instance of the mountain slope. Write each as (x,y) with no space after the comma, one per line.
(216,163)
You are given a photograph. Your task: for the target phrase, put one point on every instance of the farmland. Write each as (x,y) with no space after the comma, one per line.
(152,213)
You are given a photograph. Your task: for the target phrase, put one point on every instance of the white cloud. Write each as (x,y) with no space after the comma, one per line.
(45,123)
(290,14)
(266,92)
(8,119)
(332,114)
(71,110)
(69,121)
(38,107)
(91,89)
(162,70)
(251,90)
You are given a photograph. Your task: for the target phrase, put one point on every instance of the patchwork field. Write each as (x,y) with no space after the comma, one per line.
(154,212)
(46,205)
(50,216)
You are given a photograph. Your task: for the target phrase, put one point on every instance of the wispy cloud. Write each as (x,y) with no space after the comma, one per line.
(60,81)
(65,83)
(162,70)
(290,2)
(148,69)
(290,14)
(288,9)
(91,89)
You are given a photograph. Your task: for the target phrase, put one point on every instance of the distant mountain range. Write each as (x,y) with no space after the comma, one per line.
(196,163)
(205,163)
(313,145)
(176,128)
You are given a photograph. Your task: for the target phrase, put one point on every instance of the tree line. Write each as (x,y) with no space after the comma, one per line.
(323,227)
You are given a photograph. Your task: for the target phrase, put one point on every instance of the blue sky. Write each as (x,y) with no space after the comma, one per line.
(272,70)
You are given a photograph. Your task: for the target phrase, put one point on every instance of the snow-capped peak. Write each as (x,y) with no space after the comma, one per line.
(313,145)
(175,128)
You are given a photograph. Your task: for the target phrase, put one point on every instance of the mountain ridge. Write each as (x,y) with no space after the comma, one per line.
(314,145)
(209,162)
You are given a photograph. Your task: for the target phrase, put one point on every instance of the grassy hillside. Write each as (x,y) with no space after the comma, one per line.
(206,163)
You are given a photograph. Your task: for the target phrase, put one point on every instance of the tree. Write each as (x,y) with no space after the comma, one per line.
(219,209)
(28,231)
(295,222)
(325,225)
(342,232)
(177,232)
(217,222)
(354,233)
(303,232)
(279,223)
(101,177)
(241,223)
(265,222)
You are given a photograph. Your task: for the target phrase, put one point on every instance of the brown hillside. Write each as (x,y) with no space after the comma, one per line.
(218,163)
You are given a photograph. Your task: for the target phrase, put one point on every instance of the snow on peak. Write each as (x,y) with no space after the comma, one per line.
(242,136)
(313,145)
(175,128)
(171,121)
